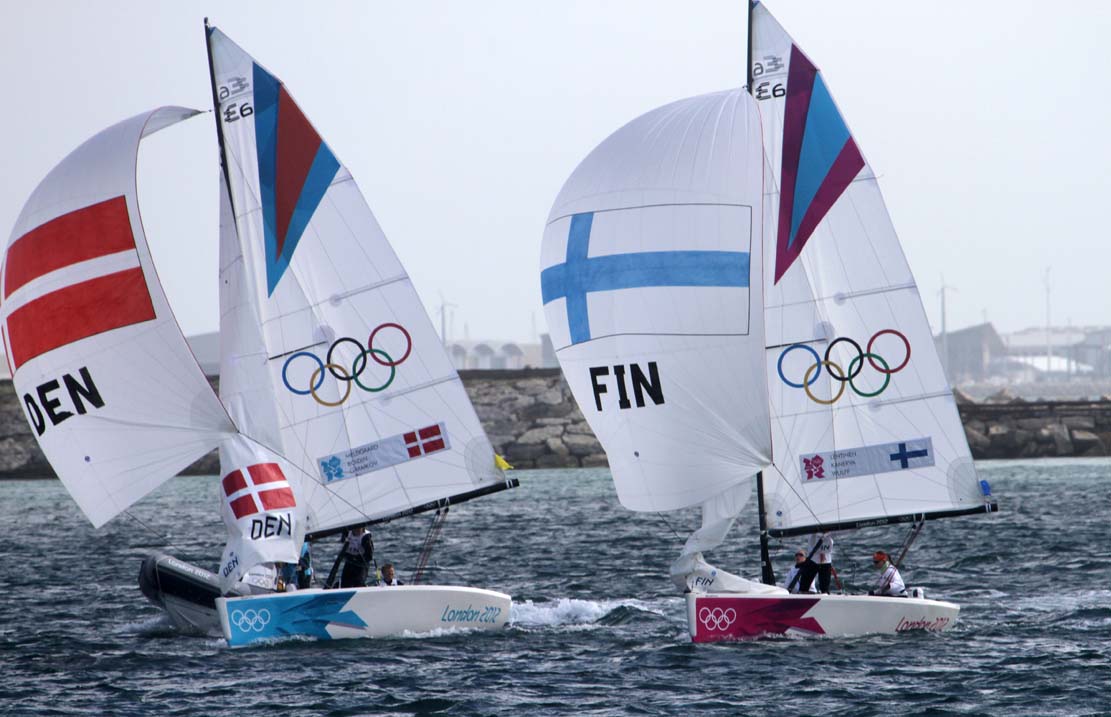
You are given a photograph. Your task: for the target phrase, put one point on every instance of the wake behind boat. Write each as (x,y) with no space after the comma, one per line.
(728,300)
(338,406)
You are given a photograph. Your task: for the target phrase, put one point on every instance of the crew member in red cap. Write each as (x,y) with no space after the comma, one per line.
(890,583)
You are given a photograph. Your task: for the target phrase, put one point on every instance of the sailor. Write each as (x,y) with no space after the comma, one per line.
(304,567)
(891,583)
(388,576)
(819,563)
(287,577)
(800,560)
(357,557)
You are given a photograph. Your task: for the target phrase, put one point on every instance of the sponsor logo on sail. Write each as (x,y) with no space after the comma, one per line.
(867,460)
(841,375)
(384,453)
(312,382)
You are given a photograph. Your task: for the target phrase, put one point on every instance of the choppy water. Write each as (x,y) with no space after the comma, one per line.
(596,627)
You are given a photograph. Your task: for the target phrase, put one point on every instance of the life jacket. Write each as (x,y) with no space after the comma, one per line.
(360,548)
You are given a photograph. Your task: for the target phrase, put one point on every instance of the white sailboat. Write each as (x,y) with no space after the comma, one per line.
(728,300)
(338,404)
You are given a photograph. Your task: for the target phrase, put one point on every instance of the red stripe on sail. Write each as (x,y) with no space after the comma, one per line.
(429,432)
(97,230)
(436,445)
(410,437)
(265,473)
(414,451)
(296,147)
(233,482)
(77,312)
(274,499)
(244,506)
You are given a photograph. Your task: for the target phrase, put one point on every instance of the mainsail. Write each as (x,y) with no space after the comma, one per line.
(367,407)
(116,399)
(865,429)
(649,273)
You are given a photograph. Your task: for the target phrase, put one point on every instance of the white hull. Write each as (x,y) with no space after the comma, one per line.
(361,612)
(717,617)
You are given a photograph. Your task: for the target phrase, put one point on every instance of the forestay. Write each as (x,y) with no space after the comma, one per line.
(109,385)
(369,409)
(646,269)
(863,420)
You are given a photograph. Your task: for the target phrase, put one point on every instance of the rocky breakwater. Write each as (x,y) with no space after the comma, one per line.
(1007,427)
(532,419)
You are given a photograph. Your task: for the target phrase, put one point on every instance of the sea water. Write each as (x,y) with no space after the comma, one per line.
(596,627)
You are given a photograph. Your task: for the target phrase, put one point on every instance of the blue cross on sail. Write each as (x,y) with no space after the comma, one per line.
(622,271)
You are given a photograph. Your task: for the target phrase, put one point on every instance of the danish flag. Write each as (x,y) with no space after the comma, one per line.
(425,440)
(92,280)
(265,488)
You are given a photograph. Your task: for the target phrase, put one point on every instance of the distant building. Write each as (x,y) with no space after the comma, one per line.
(975,353)
(499,355)
(1062,352)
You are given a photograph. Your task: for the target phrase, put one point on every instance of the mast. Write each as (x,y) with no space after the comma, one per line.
(767,575)
(216,113)
(748,69)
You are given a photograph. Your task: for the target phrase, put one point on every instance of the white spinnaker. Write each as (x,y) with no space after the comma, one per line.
(849,281)
(645,271)
(325,280)
(86,323)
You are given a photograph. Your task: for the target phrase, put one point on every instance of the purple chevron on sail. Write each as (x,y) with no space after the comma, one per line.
(820,159)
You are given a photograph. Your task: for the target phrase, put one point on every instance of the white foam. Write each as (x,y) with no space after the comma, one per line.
(569,611)
(157,623)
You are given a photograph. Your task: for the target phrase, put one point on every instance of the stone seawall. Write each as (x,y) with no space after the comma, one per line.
(534,422)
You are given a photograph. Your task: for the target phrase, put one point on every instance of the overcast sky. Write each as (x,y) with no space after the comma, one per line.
(987,123)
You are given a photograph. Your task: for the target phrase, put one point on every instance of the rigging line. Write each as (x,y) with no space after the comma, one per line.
(164,538)
(669,525)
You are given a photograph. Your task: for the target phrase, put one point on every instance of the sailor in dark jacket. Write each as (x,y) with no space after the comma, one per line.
(357,558)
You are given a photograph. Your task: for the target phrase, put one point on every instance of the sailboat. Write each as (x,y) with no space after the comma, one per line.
(338,406)
(730,304)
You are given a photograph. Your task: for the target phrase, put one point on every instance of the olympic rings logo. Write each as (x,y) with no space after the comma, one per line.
(341,373)
(715,618)
(251,620)
(840,375)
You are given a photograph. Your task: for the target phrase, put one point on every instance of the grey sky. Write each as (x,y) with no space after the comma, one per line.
(986,121)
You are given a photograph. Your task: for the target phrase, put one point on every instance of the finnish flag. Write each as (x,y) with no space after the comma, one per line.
(656,270)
